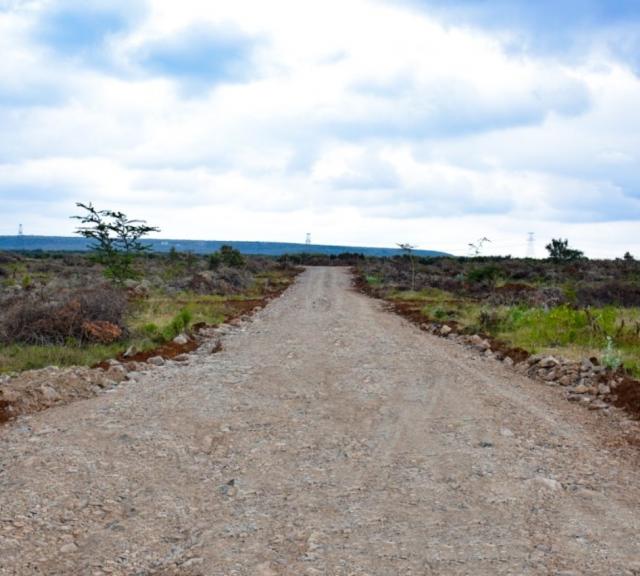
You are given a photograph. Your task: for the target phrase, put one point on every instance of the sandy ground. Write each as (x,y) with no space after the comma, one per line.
(330,437)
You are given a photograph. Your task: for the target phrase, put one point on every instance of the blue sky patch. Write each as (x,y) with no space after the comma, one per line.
(199,56)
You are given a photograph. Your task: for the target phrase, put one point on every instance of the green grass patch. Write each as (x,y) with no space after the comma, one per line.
(563,330)
(15,358)
(427,295)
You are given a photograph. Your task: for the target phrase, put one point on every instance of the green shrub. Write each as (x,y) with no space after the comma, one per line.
(570,293)
(489,320)
(214,261)
(151,331)
(611,358)
(180,323)
(488,274)
(439,313)
(561,326)
(231,257)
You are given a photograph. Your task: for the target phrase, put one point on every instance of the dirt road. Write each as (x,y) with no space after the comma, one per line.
(329,437)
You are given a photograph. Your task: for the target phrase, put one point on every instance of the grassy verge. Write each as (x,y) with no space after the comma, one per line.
(18,357)
(151,322)
(612,334)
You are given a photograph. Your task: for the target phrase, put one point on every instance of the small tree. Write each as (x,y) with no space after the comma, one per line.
(407,249)
(214,261)
(231,257)
(628,257)
(559,251)
(476,248)
(115,239)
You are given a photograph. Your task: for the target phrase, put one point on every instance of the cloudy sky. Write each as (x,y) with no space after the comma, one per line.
(363,122)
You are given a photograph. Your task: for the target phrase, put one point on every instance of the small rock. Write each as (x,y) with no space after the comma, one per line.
(264,569)
(131,351)
(548,362)
(445,330)
(181,339)
(548,483)
(49,393)
(228,489)
(132,366)
(603,389)
(478,342)
(156,361)
(586,365)
(565,380)
(106,383)
(68,548)
(507,361)
(534,359)
(506,433)
(181,358)
(598,405)
(580,389)
(116,373)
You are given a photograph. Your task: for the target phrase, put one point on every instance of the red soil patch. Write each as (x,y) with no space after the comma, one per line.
(167,351)
(627,396)
(5,411)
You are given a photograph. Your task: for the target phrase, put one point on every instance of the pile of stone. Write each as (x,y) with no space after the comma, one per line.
(583,381)
(35,390)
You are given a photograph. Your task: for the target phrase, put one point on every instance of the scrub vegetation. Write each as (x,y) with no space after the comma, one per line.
(565,305)
(68,308)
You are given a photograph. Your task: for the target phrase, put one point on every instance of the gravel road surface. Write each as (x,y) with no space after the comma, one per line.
(329,437)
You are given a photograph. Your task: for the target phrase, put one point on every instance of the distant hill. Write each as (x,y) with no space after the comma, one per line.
(78,244)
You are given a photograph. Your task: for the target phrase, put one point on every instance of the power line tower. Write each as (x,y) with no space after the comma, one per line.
(531,245)
(308,240)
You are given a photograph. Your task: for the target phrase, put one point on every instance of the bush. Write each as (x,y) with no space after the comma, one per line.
(559,251)
(485,274)
(214,261)
(179,324)
(88,315)
(626,294)
(231,257)
(611,358)
(151,331)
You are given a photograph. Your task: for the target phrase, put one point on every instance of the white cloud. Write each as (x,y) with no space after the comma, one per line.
(352,117)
